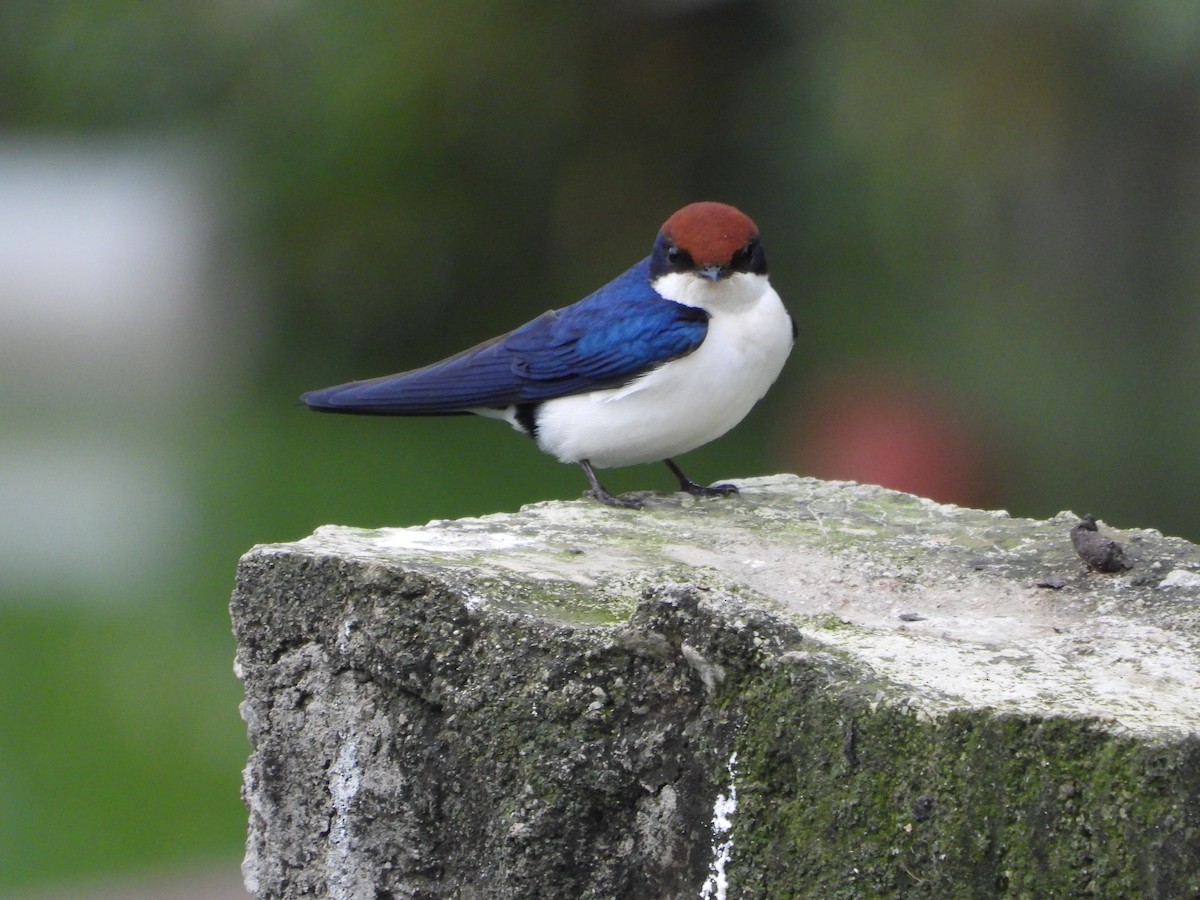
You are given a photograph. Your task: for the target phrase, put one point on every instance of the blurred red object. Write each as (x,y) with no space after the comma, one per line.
(883,427)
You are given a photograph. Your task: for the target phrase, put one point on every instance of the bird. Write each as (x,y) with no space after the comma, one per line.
(666,357)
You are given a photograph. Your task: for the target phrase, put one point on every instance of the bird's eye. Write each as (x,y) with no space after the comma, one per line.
(744,258)
(679,260)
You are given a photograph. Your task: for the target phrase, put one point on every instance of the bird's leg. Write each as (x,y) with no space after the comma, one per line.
(597,491)
(699,490)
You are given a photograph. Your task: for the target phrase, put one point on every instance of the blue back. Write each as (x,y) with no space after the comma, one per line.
(603,341)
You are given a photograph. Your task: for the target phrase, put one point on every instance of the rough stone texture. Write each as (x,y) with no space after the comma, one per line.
(816,689)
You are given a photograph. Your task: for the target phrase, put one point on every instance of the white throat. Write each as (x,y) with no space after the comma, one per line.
(738,291)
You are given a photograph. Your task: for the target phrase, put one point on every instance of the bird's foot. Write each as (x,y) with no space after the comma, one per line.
(597,491)
(609,500)
(717,490)
(699,490)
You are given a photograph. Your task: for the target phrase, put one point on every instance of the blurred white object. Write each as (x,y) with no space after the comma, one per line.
(119,314)
(110,268)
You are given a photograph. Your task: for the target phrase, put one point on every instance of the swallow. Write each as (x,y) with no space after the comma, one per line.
(664,358)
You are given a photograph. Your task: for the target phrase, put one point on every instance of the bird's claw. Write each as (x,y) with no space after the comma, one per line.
(717,490)
(609,500)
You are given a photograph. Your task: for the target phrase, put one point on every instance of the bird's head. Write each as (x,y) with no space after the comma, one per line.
(708,241)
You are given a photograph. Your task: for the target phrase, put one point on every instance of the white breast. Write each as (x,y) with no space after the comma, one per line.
(687,402)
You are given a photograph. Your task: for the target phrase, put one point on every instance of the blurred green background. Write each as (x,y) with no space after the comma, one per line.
(985,217)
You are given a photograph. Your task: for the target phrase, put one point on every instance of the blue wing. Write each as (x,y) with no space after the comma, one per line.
(605,340)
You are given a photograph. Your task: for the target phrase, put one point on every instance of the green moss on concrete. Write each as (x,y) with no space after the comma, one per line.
(548,703)
(840,796)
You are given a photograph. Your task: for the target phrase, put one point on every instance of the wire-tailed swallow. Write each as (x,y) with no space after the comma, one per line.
(662,359)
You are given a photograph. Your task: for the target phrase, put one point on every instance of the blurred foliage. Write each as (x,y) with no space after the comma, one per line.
(997,202)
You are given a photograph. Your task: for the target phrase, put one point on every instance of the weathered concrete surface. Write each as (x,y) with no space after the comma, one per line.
(816,689)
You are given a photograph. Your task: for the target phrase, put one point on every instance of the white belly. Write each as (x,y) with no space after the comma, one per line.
(682,404)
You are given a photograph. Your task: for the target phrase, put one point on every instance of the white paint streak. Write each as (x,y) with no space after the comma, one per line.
(716,886)
(344,782)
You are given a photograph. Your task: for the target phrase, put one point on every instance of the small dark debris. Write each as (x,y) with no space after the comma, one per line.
(849,737)
(922,808)
(1099,552)
(1054,583)
(911,617)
